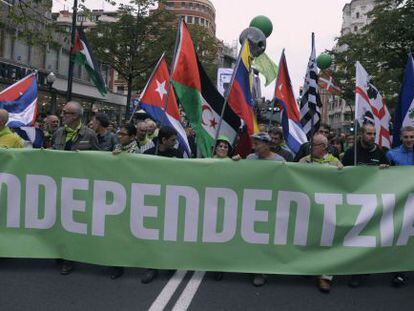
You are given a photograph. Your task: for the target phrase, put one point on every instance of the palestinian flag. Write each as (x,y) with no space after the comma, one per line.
(82,55)
(198,96)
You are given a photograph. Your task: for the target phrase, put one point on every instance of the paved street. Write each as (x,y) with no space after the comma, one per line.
(37,285)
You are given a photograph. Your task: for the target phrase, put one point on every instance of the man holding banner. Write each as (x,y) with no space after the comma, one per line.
(8,139)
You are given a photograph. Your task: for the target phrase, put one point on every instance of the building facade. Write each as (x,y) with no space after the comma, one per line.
(197,12)
(340,114)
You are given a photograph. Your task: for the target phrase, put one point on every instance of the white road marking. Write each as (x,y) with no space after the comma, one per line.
(168,291)
(189,292)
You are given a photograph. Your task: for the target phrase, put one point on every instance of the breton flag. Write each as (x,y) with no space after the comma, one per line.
(240,97)
(290,117)
(196,93)
(310,103)
(82,55)
(20,100)
(370,107)
(327,82)
(404,114)
(153,102)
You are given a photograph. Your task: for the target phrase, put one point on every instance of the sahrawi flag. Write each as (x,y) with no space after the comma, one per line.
(310,103)
(404,114)
(153,101)
(82,54)
(20,100)
(201,101)
(370,107)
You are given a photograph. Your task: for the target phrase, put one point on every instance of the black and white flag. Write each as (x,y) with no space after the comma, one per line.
(310,103)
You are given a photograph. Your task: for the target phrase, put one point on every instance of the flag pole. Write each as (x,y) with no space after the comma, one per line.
(228,94)
(313,110)
(355,120)
(71,62)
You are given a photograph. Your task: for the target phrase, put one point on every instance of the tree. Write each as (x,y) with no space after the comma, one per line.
(133,44)
(381,47)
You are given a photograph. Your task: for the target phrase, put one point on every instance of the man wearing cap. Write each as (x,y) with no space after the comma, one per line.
(261,143)
(8,139)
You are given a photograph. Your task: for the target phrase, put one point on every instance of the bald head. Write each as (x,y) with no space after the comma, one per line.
(319,145)
(72,113)
(4,118)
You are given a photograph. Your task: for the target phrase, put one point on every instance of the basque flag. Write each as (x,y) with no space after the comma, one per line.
(20,100)
(404,114)
(284,97)
(240,96)
(153,102)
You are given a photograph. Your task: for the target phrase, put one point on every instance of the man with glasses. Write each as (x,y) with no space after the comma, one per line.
(305,149)
(73,136)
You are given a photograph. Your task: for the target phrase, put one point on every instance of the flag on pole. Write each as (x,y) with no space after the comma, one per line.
(201,101)
(310,103)
(326,81)
(240,96)
(404,114)
(370,107)
(82,55)
(266,67)
(153,102)
(290,115)
(20,100)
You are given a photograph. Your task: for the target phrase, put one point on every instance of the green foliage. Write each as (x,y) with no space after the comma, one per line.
(381,47)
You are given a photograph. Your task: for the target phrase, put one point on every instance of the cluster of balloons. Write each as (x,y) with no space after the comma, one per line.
(260,29)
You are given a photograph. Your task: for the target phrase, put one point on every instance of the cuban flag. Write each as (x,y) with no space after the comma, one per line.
(290,117)
(20,100)
(404,114)
(32,135)
(153,102)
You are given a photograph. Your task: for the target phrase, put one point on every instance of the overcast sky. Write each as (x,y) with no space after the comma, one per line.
(293,22)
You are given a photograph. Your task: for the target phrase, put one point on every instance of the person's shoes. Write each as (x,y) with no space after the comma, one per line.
(399,280)
(259,280)
(149,276)
(324,285)
(218,276)
(116,272)
(66,268)
(355,281)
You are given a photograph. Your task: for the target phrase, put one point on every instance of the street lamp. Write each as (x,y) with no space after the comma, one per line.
(50,79)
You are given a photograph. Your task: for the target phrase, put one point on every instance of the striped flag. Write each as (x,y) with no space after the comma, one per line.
(82,54)
(310,104)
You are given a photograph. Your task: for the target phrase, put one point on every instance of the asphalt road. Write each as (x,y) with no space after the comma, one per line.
(37,285)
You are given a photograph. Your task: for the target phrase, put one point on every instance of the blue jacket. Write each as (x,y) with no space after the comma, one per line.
(401,156)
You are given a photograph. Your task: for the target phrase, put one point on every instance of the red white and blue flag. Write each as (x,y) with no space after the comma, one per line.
(20,100)
(290,117)
(153,102)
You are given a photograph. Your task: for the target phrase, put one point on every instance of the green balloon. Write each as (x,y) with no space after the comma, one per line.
(324,61)
(263,23)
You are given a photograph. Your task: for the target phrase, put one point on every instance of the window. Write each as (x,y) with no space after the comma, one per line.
(189,19)
(357,15)
(183,4)
(202,21)
(355,28)
(196,20)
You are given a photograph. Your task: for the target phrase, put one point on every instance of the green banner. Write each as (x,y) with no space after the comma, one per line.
(218,215)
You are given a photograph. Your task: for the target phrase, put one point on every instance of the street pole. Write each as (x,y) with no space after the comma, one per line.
(71,63)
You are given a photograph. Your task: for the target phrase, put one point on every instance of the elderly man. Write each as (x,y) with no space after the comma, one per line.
(320,155)
(144,143)
(8,139)
(72,136)
(51,125)
(152,130)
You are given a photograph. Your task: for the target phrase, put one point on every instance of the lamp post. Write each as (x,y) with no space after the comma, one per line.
(50,79)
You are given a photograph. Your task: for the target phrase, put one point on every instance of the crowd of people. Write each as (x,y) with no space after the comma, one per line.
(145,137)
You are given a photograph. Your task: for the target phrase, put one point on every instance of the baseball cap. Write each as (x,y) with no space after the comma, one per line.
(262,136)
